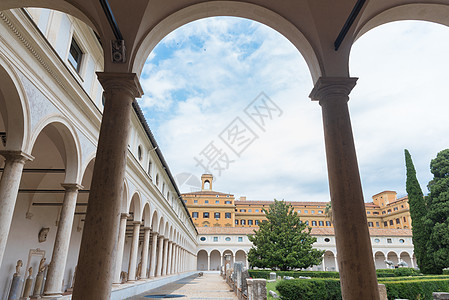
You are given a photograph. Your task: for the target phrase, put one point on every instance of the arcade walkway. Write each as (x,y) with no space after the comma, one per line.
(209,286)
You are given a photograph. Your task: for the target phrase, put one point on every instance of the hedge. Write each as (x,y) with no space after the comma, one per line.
(413,288)
(314,274)
(319,288)
(381,273)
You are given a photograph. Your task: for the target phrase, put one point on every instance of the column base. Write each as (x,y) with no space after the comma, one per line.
(51,296)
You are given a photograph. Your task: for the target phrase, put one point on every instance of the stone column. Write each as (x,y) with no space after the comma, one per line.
(336,263)
(153,254)
(208,263)
(348,208)
(169,257)
(159,254)
(9,187)
(164,263)
(99,242)
(120,248)
(56,268)
(323,264)
(146,245)
(134,251)
(176,262)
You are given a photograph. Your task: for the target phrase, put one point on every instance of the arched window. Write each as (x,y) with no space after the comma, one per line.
(139,153)
(157,179)
(150,164)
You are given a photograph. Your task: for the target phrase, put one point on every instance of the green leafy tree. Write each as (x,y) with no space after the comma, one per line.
(438,211)
(418,213)
(282,241)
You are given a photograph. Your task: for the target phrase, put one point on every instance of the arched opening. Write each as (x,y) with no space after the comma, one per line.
(399,96)
(215,260)
(228,258)
(40,199)
(329,261)
(379,260)
(393,257)
(240,256)
(202,261)
(405,257)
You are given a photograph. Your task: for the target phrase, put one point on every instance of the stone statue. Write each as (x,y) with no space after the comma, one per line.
(42,265)
(18,266)
(43,234)
(30,271)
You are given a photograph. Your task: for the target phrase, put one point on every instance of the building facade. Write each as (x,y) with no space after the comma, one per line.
(209,208)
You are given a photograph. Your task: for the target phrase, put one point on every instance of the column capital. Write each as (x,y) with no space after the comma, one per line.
(137,223)
(122,81)
(146,228)
(124,216)
(72,187)
(18,156)
(332,88)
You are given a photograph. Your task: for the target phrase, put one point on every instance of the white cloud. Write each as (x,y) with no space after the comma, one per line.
(219,65)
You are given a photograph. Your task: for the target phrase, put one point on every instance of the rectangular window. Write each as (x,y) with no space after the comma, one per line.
(328,223)
(299,211)
(321,223)
(243,210)
(227,202)
(217,215)
(257,210)
(306,211)
(389,211)
(313,223)
(206,201)
(227,215)
(375,213)
(215,238)
(391,222)
(256,222)
(384,212)
(249,210)
(240,239)
(377,224)
(307,222)
(195,214)
(370,224)
(195,201)
(398,221)
(217,201)
(206,215)
(405,219)
(242,222)
(385,224)
(320,212)
(236,222)
(368,212)
(395,209)
(389,241)
(75,55)
(312,211)
(250,222)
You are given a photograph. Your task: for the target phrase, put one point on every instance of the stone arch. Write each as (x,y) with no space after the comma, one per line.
(379,260)
(215,260)
(228,257)
(166,230)
(254,12)
(146,215)
(13,108)
(202,260)
(155,222)
(329,261)
(393,256)
(134,207)
(431,12)
(240,256)
(65,139)
(82,12)
(161,227)
(407,258)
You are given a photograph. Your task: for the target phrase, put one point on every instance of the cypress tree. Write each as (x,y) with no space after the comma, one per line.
(418,213)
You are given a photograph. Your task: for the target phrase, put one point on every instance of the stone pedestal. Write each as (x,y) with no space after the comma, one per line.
(257,289)
(38,284)
(273,276)
(27,289)
(14,292)
(440,296)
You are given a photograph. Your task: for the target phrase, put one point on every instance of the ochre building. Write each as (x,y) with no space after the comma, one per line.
(209,208)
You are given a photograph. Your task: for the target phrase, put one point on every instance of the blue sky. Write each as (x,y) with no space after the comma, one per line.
(201,81)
